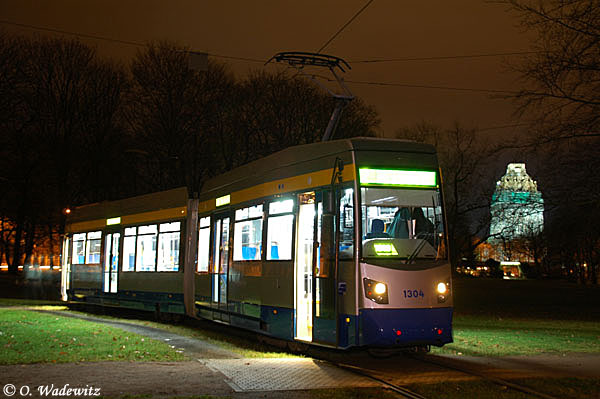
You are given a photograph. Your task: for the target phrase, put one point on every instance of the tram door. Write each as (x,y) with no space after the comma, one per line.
(220,266)
(303,265)
(65,283)
(325,314)
(111,262)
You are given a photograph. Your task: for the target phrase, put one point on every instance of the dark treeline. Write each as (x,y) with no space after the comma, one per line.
(562,95)
(76,128)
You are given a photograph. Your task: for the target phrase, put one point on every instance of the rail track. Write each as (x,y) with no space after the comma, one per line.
(445,364)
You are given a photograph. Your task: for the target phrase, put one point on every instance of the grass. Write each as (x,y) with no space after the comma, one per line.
(237,343)
(566,388)
(494,317)
(244,346)
(28,302)
(234,340)
(494,336)
(33,337)
(526,299)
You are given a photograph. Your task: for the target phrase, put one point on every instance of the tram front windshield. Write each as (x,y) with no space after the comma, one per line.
(402,223)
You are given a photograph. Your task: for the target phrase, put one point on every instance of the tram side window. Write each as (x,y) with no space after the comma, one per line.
(168,247)
(203,244)
(347,223)
(93,244)
(146,249)
(129,249)
(79,249)
(280,226)
(247,239)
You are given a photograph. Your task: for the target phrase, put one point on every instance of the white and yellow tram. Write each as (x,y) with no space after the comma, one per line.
(337,243)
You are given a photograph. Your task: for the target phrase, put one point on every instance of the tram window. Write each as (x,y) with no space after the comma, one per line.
(168,247)
(146,248)
(203,244)
(93,244)
(129,250)
(247,239)
(79,249)
(347,223)
(404,223)
(279,207)
(280,226)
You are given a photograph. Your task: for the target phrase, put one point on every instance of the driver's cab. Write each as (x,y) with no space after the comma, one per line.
(402,223)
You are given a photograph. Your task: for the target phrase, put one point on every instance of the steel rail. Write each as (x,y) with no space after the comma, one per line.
(499,381)
(406,393)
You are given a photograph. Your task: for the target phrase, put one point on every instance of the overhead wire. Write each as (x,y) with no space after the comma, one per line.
(64,32)
(119,41)
(443,57)
(420,86)
(435,87)
(344,26)
(249,59)
(257,60)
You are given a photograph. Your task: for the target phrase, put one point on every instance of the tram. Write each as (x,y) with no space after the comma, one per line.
(339,243)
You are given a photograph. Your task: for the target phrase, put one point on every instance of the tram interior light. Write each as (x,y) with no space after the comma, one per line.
(385,249)
(224,200)
(113,221)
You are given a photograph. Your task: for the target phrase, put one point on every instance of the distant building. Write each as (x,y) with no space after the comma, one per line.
(517,217)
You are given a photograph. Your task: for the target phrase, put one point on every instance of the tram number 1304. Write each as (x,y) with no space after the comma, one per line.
(413,294)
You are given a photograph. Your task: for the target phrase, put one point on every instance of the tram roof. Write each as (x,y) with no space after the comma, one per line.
(304,159)
(169,199)
(285,163)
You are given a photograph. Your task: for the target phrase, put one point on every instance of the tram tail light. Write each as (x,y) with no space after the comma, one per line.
(376,291)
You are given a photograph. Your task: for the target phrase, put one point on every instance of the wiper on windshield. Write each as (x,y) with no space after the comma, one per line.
(419,247)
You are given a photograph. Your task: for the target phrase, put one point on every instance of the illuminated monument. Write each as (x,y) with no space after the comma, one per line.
(517,217)
(517,206)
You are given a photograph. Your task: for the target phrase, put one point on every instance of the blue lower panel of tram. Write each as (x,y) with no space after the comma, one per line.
(140,300)
(397,327)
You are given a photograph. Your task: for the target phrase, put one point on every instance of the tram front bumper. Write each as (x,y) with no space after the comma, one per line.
(405,327)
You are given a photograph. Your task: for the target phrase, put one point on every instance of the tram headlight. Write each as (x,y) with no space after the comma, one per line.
(380,288)
(376,291)
(443,291)
(442,288)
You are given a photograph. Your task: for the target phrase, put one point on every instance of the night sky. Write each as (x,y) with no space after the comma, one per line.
(387,29)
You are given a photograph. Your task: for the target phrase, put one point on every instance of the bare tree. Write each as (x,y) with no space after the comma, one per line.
(60,119)
(564,74)
(174,113)
(280,110)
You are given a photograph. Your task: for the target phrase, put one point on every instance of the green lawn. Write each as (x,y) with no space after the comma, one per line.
(494,336)
(28,302)
(33,337)
(232,339)
(494,317)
